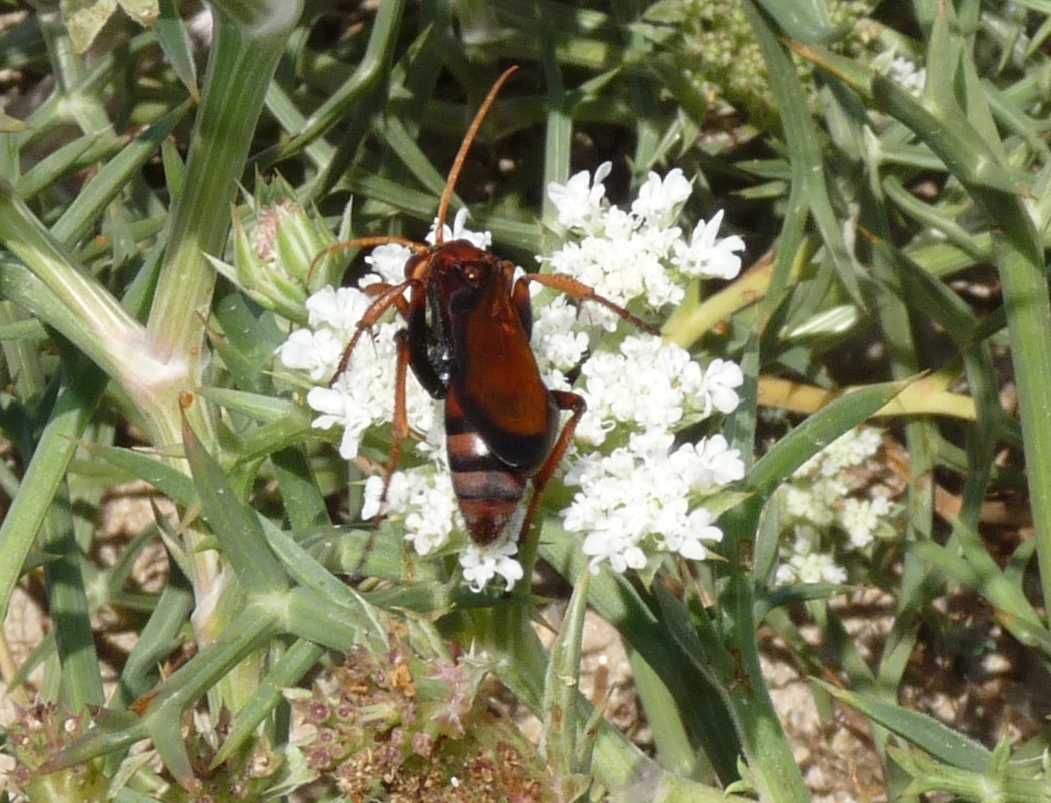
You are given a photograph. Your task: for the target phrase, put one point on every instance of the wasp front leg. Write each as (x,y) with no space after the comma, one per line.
(400,427)
(581,292)
(387,296)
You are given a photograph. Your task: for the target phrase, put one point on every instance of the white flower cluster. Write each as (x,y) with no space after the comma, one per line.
(831,492)
(363,395)
(903,71)
(639,495)
(626,255)
(637,491)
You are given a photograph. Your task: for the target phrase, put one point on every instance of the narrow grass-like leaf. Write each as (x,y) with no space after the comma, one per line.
(368,553)
(73,410)
(73,156)
(370,69)
(817,432)
(169,481)
(664,714)
(232,521)
(158,639)
(807,20)
(919,729)
(304,504)
(111,180)
(69,608)
(260,406)
(28,329)
(312,575)
(298,659)
(561,741)
(175,42)
(808,168)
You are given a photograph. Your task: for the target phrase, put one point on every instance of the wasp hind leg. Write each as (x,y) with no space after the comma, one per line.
(564,400)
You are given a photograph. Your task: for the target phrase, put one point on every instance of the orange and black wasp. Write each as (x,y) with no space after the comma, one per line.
(467,340)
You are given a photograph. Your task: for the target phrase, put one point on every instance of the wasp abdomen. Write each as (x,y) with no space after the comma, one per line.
(488,491)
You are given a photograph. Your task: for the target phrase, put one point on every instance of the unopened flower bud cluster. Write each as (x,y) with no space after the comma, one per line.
(832,510)
(636,494)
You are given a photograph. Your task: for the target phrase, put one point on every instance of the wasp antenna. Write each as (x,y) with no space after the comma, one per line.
(362,242)
(465,146)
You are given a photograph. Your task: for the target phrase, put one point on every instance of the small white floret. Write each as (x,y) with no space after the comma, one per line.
(707,255)
(579,200)
(481,564)
(658,198)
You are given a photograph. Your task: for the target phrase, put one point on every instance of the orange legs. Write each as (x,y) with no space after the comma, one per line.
(387,296)
(582,292)
(577,406)
(364,242)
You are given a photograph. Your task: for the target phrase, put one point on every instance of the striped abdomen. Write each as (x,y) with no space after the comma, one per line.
(488,490)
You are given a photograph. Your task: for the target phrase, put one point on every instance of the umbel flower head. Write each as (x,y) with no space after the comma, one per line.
(636,492)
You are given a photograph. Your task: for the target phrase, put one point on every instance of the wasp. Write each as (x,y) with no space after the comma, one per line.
(467,340)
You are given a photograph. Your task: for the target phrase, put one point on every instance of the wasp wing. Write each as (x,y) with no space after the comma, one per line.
(499,384)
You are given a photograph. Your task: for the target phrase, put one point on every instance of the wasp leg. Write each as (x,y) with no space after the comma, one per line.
(577,406)
(363,242)
(400,430)
(385,299)
(379,288)
(581,292)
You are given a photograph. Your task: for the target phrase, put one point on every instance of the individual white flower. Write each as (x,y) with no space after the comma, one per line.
(709,463)
(481,564)
(340,408)
(579,200)
(338,309)
(861,518)
(804,564)
(621,551)
(318,353)
(721,380)
(689,539)
(658,198)
(707,255)
(389,263)
(459,231)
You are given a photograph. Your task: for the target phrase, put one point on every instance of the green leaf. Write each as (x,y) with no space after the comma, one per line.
(299,659)
(144,12)
(84,19)
(561,742)
(234,524)
(172,483)
(921,730)
(817,432)
(175,42)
